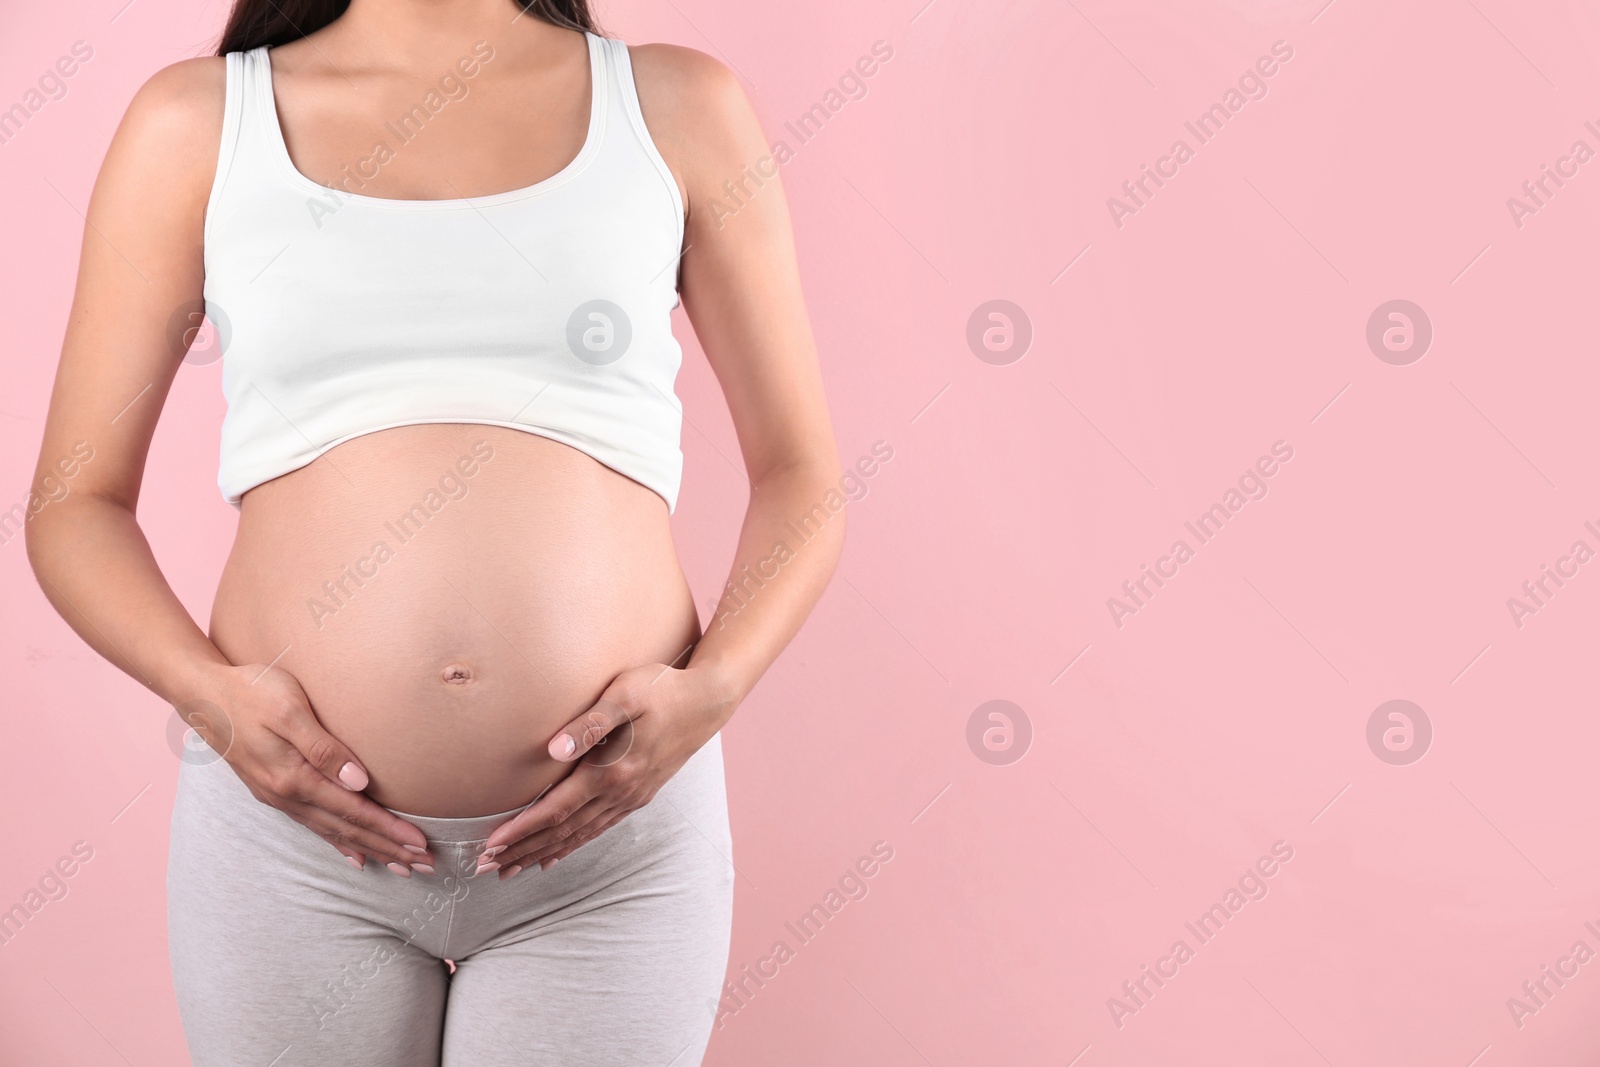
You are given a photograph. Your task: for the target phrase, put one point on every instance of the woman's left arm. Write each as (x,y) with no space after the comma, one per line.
(740,285)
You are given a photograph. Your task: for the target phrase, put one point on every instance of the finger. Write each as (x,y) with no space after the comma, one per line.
(579,840)
(363,813)
(348,838)
(587,730)
(559,802)
(323,751)
(547,858)
(553,837)
(357,859)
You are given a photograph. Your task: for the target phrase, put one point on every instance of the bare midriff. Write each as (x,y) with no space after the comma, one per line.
(449,596)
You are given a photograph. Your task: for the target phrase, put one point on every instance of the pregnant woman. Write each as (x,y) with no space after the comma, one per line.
(440,242)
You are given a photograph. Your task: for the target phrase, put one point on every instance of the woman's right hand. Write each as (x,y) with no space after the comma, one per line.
(262,723)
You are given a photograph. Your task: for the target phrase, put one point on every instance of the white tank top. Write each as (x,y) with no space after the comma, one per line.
(545,309)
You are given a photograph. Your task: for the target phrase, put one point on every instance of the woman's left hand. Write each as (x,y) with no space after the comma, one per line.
(641,731)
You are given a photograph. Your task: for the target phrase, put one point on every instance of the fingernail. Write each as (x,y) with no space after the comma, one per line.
(491,853)
(400,870)
(353,777)
(511,872)
(562,747)
(356,862)
(547,866)
(485,868)
(422,868)
(414,848)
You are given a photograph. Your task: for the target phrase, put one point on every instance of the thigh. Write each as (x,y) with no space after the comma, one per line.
(622,959)
(282,955)
(634,984)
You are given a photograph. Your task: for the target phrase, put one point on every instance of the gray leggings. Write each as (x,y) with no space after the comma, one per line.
(284,954)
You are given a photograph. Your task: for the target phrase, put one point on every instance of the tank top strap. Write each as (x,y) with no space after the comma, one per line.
(623,102)
(257,125)
(625,116)
(241,156)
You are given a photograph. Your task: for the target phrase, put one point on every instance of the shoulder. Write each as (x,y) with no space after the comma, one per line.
(686,86)
(684,73)
(176,116)
(165,149)
(184,94)
(695,106)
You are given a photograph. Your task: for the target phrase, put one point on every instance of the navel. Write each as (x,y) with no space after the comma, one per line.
(457,674)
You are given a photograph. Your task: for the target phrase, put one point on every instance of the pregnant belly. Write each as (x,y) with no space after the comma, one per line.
(449,596)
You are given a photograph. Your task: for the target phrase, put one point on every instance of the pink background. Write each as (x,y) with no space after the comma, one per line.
(1229,713)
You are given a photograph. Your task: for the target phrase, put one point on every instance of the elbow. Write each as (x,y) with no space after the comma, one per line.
(14,524)
(815,498)
(44,524)
(36,531)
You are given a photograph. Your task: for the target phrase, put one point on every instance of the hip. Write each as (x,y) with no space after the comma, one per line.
(236,864)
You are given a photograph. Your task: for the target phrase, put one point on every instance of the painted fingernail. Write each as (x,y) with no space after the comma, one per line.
(422,868)
(562,747)
(414,848)
(400,869)
(485,868)
(353,777)
(513,870)
(356,862)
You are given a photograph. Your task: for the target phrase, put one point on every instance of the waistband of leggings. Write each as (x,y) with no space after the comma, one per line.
(479,827)
(457,831)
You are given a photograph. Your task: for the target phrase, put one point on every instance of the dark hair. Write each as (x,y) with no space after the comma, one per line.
(253,23)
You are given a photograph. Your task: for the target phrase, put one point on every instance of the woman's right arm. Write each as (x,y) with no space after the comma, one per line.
(141,264)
